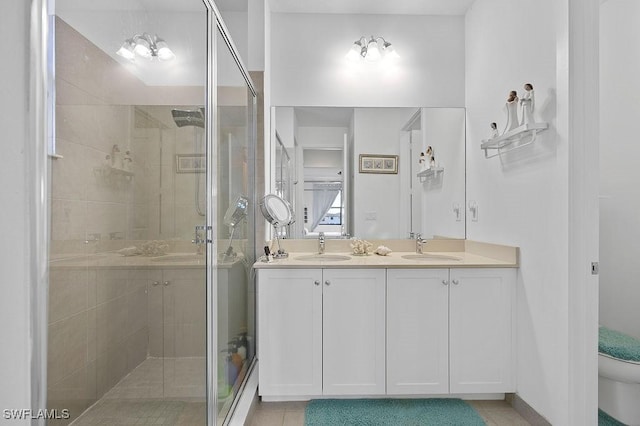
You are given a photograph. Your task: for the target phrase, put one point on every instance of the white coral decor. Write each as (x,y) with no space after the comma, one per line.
(360,246)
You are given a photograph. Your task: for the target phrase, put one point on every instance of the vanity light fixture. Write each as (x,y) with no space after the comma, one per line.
(146,46)
(372,50)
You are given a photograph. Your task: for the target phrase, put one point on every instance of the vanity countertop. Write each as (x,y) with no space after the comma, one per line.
(444,254)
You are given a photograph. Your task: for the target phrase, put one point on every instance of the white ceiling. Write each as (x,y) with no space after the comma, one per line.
(393,7)
(154,5)
(382,7)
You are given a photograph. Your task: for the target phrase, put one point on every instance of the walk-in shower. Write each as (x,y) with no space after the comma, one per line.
(143,325)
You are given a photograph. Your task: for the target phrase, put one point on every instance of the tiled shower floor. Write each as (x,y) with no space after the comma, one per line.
(160,391)
(180,378)
(113,412)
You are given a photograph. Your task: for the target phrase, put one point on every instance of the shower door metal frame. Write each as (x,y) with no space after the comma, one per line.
(215,22)
(42,99)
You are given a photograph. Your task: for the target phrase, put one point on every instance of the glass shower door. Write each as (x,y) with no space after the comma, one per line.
(235,228)
(127,295)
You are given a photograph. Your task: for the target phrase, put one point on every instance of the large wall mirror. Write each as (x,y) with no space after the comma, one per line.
(370,172)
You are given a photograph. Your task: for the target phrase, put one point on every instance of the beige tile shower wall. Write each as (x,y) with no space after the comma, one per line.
(98,332)
(88,125)
(170,196)
(97,317)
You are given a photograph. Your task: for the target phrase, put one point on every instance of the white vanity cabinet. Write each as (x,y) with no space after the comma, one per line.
(450,331)
(482,330)
(417,331)
(321,332)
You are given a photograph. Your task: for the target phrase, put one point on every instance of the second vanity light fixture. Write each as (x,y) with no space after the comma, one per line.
(373,49)
(146,46)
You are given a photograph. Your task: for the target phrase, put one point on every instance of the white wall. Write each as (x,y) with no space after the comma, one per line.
(237,24)
(321,137)
(256,35)
(286,127)
(444,130)
(523,196)
(619,154)
(309,66)
(15,309)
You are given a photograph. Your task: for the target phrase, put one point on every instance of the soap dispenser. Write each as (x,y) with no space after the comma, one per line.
(231,371)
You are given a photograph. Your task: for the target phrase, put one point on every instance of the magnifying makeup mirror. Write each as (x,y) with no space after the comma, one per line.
(235,214)
(278,213)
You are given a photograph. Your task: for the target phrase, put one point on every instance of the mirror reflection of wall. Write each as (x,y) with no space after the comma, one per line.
(332,195)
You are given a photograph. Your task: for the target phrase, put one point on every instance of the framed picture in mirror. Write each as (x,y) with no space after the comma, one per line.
(191,163)
(372,163)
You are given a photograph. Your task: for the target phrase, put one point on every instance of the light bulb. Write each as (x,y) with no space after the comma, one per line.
(143,48)
(163,51)
(126,50)
(354,52)
(373,53)
(390,51)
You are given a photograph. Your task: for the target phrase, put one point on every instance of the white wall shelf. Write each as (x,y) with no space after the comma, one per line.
(519,137)
(112,175)
(430,173)
(110,170)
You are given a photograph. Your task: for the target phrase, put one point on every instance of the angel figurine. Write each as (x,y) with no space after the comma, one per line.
(527,103)
(512,112)
(494,130)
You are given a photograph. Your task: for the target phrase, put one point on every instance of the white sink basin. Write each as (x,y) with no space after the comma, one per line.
(179,258)
(324,257)
(430,257)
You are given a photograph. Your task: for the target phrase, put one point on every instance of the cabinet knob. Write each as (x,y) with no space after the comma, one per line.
(445,282)
(455,282)
(166,283)
(155,283)
(327,282)
(317,282)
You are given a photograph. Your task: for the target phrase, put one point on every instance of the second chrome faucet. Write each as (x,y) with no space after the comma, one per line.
(420,243)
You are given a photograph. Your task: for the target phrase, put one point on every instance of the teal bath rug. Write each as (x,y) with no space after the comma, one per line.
(606,420)
(391,412)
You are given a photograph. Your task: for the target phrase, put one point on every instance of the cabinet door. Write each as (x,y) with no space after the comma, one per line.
(354,331)
(417,331)
(290,332)
(481,330)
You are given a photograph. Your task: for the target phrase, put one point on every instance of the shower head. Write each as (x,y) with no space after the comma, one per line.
(183,117)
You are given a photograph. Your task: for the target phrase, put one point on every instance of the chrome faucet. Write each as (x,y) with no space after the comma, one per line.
(419,243)
(321,243)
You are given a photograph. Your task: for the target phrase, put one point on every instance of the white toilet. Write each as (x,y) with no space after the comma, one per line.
(619,388)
